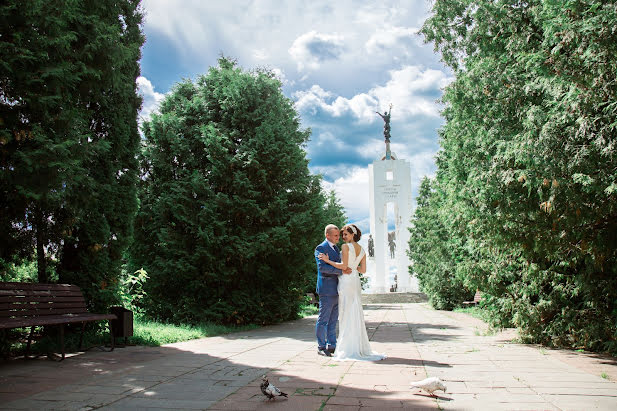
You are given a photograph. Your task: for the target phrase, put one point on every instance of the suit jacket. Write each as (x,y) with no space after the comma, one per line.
(327,276)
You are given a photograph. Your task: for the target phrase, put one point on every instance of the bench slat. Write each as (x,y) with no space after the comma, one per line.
(48,304)
(36,286)
(43,312)
(28,304)
(60,319)
(21,299)
(39,293)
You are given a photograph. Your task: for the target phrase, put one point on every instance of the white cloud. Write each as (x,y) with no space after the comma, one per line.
(422,165)
(352,188)
(280,74)
(312,48)
(410,89)
(389,38)
(326,39)
(151,98)
(260,54)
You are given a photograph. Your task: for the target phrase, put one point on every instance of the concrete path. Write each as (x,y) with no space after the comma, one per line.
(482,372)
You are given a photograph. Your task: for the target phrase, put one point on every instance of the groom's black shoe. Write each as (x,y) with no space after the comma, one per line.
(324,352)
(331,350)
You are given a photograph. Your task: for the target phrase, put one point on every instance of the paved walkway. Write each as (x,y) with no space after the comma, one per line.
(482,372)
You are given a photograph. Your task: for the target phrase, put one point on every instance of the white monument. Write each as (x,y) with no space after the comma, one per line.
(390,182)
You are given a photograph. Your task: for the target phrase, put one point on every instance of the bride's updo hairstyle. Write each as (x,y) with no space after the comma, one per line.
(353,230)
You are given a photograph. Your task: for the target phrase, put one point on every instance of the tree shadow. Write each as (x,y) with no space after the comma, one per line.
(183,376)
(412,362)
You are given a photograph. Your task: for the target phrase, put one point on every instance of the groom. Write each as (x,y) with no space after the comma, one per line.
(327,282)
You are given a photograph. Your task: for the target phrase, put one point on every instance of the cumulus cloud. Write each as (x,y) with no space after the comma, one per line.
(151,98)
(313,48)
(392,38)
(352,188)
(411,89)
(280,74)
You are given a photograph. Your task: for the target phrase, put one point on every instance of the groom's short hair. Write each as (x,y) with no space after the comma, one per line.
(328,228)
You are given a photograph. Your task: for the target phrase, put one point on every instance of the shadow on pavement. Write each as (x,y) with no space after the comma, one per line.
(187,376)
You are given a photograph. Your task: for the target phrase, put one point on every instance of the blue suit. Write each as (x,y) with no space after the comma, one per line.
(327,284)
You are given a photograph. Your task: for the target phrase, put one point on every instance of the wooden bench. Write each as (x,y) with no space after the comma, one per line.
(25,305)
(312,299)
(476,299)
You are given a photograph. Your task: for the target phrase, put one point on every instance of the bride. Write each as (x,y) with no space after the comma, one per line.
(353,341)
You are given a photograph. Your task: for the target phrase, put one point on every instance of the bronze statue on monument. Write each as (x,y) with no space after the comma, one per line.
(386,130)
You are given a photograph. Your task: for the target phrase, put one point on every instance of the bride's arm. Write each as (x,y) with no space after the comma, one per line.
(362,266)
(343,265)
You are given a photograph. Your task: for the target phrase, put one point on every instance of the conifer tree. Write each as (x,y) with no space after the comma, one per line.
(68,136)
(229,211)
(530,160)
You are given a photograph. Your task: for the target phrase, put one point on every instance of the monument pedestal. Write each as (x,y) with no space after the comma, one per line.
(390,182)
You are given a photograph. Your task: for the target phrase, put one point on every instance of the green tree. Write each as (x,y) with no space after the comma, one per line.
(334,212)
(530,147)
(435,248)
(229,211)
(69,137)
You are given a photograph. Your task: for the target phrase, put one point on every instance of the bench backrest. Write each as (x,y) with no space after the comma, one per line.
(19,300)
(477,297)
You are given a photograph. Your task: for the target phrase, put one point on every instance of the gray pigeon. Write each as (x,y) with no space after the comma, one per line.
(430,385)
(270,390)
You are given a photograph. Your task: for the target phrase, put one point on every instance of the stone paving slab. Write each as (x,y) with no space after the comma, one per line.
(481,371)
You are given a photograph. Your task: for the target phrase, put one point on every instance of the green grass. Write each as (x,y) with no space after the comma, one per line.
(604,375)
(145,332)
(308,310)
(154,333)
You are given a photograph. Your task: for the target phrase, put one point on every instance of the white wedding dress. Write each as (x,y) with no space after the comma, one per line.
(353,344)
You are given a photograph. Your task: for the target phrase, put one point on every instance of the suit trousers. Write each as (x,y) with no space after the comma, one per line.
(325,329)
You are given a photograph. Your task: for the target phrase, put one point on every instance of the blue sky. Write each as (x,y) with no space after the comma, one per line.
(338,61)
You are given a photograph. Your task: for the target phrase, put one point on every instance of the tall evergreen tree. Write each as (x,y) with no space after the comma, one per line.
(68,136)
(229,211)
(435,247)
(530,147)
(334,212)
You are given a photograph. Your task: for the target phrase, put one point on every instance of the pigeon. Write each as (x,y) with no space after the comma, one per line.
(430,385)
(270,390)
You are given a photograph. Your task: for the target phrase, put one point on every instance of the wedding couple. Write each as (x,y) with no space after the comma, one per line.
(339,290)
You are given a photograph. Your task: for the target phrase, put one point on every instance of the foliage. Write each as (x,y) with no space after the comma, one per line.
(25,272)
(528,165)
(307,310)
(229,211)
(434,250)
(130,289)
(334,213)
(69,138)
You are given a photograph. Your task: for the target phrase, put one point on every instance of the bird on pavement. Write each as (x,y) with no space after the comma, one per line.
(270,390)
(430,385)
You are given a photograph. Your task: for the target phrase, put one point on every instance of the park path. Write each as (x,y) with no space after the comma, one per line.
(482,371)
